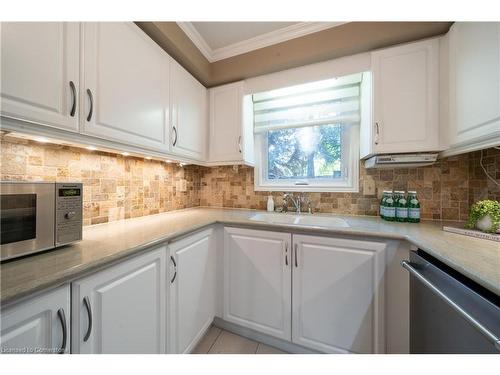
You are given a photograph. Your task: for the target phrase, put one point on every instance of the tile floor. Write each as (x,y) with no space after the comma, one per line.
(217,341)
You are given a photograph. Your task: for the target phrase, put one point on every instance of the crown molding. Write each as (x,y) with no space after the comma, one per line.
(257,42)
(197,39)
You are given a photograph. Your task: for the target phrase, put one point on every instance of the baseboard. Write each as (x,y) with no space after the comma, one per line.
(283,345)
(198,338)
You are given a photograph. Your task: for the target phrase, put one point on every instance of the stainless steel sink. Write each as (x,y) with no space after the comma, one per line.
(302,220)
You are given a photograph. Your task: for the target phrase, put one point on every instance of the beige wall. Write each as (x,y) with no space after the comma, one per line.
(170,37)
(343,40)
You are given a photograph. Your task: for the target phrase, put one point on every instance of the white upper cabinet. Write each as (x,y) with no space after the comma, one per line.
(121,310)
(231,125)
(338,294)
(192,290)
(257,280)
(474,82)
(40,324)
(189,114)
(125,90)
(40,72)
(405,99)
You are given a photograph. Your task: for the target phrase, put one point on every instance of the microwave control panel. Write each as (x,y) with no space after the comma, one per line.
(69,211)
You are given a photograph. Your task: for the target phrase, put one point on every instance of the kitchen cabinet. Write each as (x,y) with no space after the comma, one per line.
(39,324)
(189,114)
(192,290)
(40,73)
(125,90)
(405,99)
(338,294)
(231,125)
(121,309)
(257,280)
(474,85)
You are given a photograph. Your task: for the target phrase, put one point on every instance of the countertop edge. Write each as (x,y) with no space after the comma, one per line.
(68,275)
(71,274)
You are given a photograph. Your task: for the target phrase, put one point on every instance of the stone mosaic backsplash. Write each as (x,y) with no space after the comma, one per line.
(481,187)
(118,187)
(114,186)
(446,189)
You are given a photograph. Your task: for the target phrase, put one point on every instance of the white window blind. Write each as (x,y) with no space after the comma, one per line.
(332,101)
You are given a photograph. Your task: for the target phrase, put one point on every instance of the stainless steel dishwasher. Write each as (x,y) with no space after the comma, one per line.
(448,312)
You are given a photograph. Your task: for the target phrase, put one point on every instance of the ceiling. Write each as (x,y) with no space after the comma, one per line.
(221,40)
(222,34)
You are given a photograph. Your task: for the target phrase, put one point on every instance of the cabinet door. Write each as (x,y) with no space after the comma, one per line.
(257,280)
(406,98)
(189,114)
(474,82)
(40,72)
(226,104)
(126,86)
(192,290)
(37,325)
(121,309)
(338,302)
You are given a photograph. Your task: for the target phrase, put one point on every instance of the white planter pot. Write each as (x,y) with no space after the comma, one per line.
(485,223)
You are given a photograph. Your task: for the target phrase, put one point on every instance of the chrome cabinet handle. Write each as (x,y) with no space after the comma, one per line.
(489,335)
(91,110)
(286,253)
(174,129)
(239,144)
(62,319)
(175,269)
(377,132)
(296,251)
(73,94)
(86,302)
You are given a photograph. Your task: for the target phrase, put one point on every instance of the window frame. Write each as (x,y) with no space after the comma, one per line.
(350,152)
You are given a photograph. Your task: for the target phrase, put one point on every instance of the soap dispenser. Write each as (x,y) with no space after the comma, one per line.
(270,203)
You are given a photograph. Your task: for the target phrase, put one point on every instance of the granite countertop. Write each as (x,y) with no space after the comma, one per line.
(104,244)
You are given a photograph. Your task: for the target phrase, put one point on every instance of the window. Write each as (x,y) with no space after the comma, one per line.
(307,136)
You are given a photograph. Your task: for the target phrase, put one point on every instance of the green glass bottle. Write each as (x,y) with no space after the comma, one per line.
(390,207)
(382,205)
(413,207)
(401,207)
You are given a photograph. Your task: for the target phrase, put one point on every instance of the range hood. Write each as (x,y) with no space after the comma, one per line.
(401,160)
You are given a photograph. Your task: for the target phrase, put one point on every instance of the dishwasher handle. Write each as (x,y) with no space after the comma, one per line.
(486,332)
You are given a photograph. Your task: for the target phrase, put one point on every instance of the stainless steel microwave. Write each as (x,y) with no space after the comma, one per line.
(37,216)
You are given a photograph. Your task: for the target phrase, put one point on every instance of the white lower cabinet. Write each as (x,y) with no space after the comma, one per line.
(37,325)
(322,293)
(192,290)
(325,294)
(338,301)
(257,280)
(122,309)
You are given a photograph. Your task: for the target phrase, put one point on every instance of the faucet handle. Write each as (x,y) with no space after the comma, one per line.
(284,207)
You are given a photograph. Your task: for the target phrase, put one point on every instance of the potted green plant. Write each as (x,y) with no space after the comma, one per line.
(485,216)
